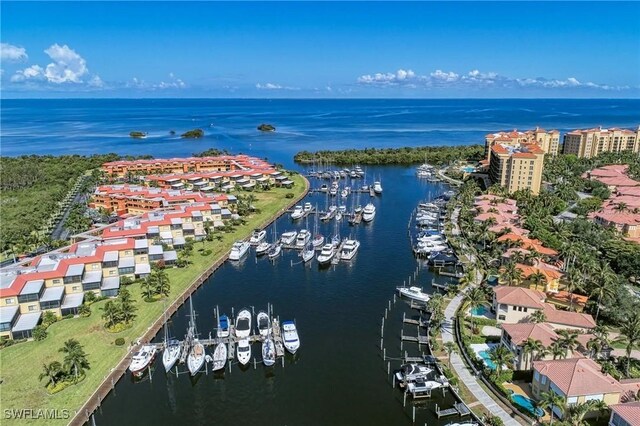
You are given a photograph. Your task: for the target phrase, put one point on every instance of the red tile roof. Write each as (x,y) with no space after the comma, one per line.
(520,332)
(566,318)
(630,412)
(520,297)
(577,376)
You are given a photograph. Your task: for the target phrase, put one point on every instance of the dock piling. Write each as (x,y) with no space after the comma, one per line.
(384,354)
(381,343)
(390,304)
(414,414)
(388,367)
(404,400)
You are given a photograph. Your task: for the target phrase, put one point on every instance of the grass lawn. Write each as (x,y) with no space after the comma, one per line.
(21,364)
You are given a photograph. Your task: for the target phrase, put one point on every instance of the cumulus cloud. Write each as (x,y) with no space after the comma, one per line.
(472,79)
(11,53)
(274,86)
(67,66)
(172,83)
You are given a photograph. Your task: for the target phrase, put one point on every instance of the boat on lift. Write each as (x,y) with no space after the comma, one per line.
(414,293)
(291,339)
(142,359)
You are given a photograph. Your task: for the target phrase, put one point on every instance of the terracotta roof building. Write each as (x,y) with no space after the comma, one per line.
(516,167)
(625,414)
(547,141)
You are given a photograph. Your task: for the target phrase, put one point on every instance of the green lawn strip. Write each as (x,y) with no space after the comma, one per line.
(21,364)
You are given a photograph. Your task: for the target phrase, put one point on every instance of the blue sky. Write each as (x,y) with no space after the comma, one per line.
(325,49)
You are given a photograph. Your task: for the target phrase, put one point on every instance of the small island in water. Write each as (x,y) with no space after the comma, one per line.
(137,135)
(266,128)
(193,134)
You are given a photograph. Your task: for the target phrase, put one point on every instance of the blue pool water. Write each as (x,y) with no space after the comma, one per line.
(480,310)
(485,357)
(469,169)
(527,404)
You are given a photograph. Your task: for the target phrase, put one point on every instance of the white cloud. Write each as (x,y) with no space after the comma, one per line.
(173,83)
(472,79)
(67,67)
(11,53)
(274,86)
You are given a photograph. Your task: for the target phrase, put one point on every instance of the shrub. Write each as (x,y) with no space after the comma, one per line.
(39,333)
(84,311)
(89,297)
(119,341)
(48,318)
(288,195)
(126,280)
(492,420)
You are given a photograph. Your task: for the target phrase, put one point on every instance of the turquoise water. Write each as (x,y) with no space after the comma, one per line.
(469,169)
(485,357)
(527,404)
(480,310)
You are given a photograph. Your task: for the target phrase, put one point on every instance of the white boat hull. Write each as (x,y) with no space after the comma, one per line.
(268,352)
(220,357)
(170,356)
(244,352)
(195,360)
(291,339)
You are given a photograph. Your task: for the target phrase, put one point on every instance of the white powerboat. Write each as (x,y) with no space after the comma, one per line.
(170,354)
(291,339)
(414,293)
(195,360)
(289,237)
(333,191)
(303,238)
(268,352)
(318,241)
(264,323)
(339,216)
(349,249)
(307,207)
(369,212)
(308,253)
(274,250)
(220,356)
(238,250)
(420,386)
(223,326)
(262,248)
(257,236)
(243,324)
(327,253)
(244,351)
(142,359)
(344,193)
(411,372)
(298,212)
(377,187)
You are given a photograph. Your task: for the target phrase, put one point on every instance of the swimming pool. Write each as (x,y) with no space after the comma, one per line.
(485,357)
(527,404)
(479,310)
(468,169)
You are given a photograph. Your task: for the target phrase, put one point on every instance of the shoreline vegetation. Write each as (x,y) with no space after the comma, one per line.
(137,134)
(22,387)
(266,128)
(193,134)
(435,155)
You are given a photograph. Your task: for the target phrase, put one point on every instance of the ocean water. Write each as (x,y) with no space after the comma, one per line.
(86,126)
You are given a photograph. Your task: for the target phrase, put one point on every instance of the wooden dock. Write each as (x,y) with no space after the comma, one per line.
(458,408)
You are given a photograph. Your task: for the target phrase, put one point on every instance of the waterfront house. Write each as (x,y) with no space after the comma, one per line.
(625,414)
(578,380)
(516,304)
(514,337)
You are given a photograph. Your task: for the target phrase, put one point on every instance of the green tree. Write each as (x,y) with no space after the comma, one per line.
(529,348)
(552,400)
(603,280)
(557,350)
(449,348)
(472,300)
(500,356)
(568,340)
(159,281)
(630,337)
(538,317)
(51,372)
(127,306)
(75,359)
(111,314)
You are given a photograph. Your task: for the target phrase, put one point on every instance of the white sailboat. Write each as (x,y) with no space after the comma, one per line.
(220,356)
(243,324)
(264,323)
(308,252)
(268,352)
(238,250)
(142,359)
(318,238)
(195,359)
(257,236)
(291,339)
(274,250)
(369,212)
(171,351)
(244,351)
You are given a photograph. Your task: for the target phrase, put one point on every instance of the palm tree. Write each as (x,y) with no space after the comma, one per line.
(449,348)
(603,280)
(468,278)
(532,256)
(148,289)
(110,314)
(517,256)
(576,281)
(160,281)
(530,347)
(127,307)
(557,350)
(51,372)
(538,317)
(75,358)
(473,299)
(538,277)
(630,337)
(568,340)
(552,400)
(575,413)
(621,206)
(500,356)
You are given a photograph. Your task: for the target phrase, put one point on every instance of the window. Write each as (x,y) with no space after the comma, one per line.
(9,301)
(572,400)
(56,281)
(536,376)
(75,288)
(525,309)
(544,379)
(31,308)
(501,317)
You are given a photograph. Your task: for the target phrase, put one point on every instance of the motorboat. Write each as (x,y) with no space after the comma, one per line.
(268,352)
(333,191)
(264,323)
(223,326)
(414,293)
(423,174)
(243,324)
(238,250)
(142,359)
(344,193)
(428,206)
(324,187)
(274,250)
(195,360)
(257,236)
(339,216)
(349,249)
(377,187)
(369,212)
(289,237)
(420,386)
(220,356)
(326,255)
(411,372)
(303,238)
(317,241)
(342,209)
(298,212)
(308,253)
(244,351)
(291,339)
(307,207)
(430,246)
(262,248)
(170,354)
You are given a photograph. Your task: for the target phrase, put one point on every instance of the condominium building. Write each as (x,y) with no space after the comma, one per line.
(222,163)
(57,281)
(590,143)
(517,168)
(219,181)
(547,141)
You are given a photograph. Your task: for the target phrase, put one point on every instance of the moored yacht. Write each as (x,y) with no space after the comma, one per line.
(264,323)
(369,212)
(349,249)
(274,250)
(243,324)
(170,353)
(414,293)
(244,351)
(223,326)
(318,241)
(289,237)
(307,207)
(377,187)
(327,253)
(142,359)
(308,253)
(268,352)
(298,212)
(411,372)
(303,238)
(257,236)
(220,356)
(262,248)
(238,250)
(291,339)
(195,360)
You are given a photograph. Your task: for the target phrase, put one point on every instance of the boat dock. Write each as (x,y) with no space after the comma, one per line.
(458,408)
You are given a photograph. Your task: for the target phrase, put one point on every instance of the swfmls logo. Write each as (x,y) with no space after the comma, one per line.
(36,414)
